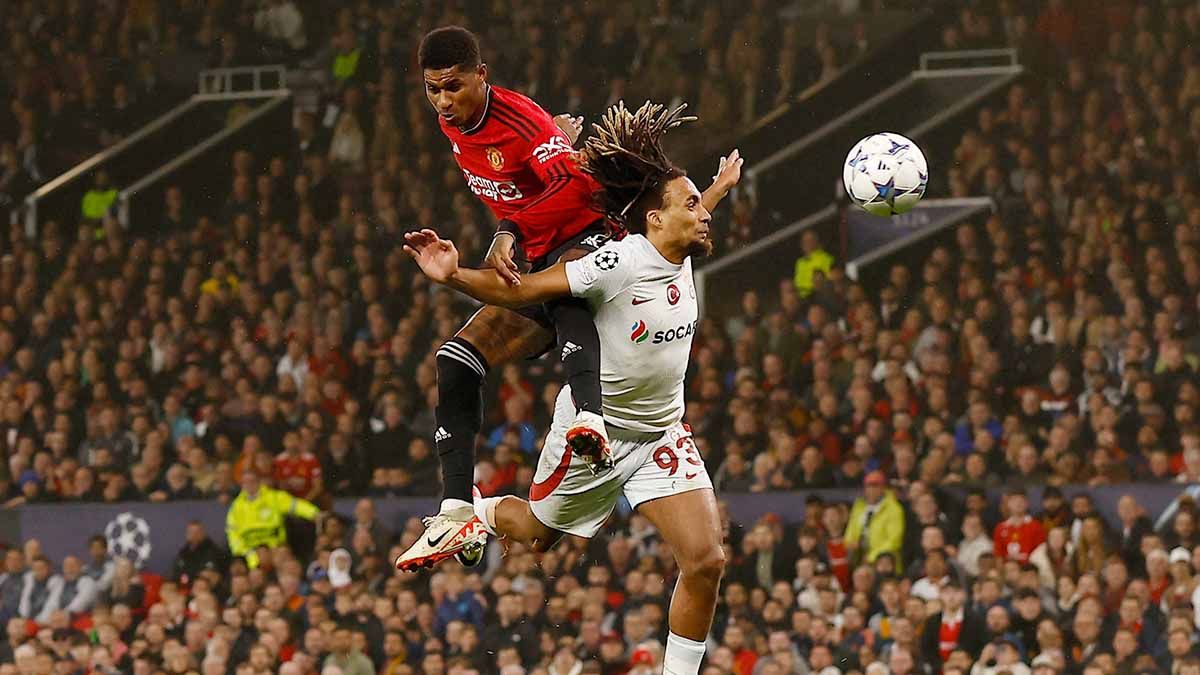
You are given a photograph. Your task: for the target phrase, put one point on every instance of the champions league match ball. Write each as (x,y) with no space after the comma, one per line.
(885,174)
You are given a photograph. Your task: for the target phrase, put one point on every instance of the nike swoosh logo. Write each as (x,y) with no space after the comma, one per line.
(434,542)
(638,301)
(689,476)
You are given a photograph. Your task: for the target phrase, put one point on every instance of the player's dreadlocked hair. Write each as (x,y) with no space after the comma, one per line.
(447,47)
(626,158)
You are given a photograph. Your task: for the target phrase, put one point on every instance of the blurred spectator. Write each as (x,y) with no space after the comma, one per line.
(42,591)
(256,518)
(815,260)
(198,554)
(876,525)
(98,200)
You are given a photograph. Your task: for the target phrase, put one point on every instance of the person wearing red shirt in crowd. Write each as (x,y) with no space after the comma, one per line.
(326,360)
(1158,574)
(1015,538)
(955,627)
(296,470)
(833,520)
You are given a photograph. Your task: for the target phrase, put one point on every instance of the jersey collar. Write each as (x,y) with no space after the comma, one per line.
(487,106)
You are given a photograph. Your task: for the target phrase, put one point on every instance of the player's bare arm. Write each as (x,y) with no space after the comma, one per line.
(729,172)
(438,259)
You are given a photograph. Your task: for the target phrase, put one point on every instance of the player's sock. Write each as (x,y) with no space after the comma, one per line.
(579,349)
(683,656)
(452,504)
(485,511)
(461,369)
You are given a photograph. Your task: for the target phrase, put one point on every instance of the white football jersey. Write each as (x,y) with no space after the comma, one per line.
(646,314)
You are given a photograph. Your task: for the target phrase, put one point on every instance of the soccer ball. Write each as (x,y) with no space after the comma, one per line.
(129,537)
(885,174)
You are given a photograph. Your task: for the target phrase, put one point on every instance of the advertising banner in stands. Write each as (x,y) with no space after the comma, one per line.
(153,534)
(867,233)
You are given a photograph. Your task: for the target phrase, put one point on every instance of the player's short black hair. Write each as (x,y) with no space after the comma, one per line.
(447,47)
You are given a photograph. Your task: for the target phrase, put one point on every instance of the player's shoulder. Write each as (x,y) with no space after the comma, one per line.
(520,111)
(627,253)
(627,245)
(511,99)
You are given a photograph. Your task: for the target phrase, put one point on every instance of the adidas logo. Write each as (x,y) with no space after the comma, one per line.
(569,349)
(440,435)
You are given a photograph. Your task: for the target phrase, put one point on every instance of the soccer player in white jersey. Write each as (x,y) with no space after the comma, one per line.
(644,301)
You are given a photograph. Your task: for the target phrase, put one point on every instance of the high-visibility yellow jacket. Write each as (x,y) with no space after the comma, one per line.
(807,266)
(346,65)
(97,202)
(258,522)
(885,533)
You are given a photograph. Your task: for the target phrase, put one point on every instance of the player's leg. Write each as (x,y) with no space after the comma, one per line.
(491,337)
(579,349)
(511,517)
(566,496)
(689,523)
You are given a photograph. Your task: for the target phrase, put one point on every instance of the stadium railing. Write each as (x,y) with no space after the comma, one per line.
(795,183)
(154,144)
(200,166)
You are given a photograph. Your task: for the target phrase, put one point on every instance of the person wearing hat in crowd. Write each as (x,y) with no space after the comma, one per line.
(340,568)
(876,524)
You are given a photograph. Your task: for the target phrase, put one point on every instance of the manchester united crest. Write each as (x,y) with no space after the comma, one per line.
(495,157)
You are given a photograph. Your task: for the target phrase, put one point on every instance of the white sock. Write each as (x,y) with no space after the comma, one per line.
(485,510)
(451,504)
(683,656)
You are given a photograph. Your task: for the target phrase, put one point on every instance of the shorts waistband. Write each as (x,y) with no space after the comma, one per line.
(619,434)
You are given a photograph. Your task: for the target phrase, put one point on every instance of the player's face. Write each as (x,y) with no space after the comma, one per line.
(456,93)
(684,218)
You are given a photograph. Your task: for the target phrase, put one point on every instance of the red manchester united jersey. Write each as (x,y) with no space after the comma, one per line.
(1016,539)
(522,166)
(297,474)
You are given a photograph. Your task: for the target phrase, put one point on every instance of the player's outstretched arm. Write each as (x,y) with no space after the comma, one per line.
(729,172)
(438,259)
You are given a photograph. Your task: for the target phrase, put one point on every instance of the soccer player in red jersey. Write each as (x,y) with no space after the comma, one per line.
(520,164)
(1016,537)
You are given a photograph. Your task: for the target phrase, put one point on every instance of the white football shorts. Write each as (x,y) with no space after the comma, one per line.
(568,497)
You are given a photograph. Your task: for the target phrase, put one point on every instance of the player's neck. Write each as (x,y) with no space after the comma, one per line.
(670,251)
(480,111)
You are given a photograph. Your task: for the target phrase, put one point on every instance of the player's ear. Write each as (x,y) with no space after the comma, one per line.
(653,216)
(482,71)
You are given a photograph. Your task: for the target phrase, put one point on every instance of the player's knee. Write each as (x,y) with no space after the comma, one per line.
(459,364)
(707,564)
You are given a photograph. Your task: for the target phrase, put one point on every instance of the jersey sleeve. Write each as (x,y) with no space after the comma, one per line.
(602,274)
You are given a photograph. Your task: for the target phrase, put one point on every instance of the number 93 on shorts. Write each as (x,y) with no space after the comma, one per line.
(567,496)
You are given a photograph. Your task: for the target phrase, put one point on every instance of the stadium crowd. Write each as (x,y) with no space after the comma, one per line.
(286,336)
(77,77)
